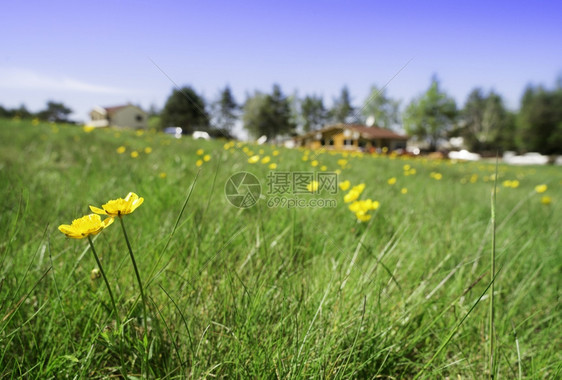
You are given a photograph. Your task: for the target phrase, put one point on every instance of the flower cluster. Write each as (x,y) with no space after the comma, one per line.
(92,224)
(359,207)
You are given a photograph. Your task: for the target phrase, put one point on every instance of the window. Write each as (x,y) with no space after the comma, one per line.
(139,117)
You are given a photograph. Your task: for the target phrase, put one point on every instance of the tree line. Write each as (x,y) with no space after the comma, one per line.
(483,121)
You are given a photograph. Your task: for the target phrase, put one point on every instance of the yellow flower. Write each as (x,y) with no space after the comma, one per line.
(323,168)
(407,167)
(391,181)
(88,128)
(541,188)
(404,190)
(362,216)
(314,163)
(546,200)
(148,150)
(265,160)
(200,152)
(514,184)
(351,196)
(305,158)
(198,163)
(342,162)
(162,175)
(254,159)
(85,226)
(345,185)
(275,153)
(273,166)
(120,206)
(207,158)
(312,186)
(121,149)
(436,176)
(134,154)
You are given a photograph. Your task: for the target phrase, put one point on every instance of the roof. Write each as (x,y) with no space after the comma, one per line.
(109,111)
(365,132)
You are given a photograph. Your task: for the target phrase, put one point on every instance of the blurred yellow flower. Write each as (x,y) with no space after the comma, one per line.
(342,162)
(85,226)
(207,158)
(134,154)
(162,175)
(546,200)
(345,185)
(323,168)
(265,160)
(273,166)
(305,158)
(148,150)
(406,167)
(391,181)
(312,186)
(404,190)
(88,128)
(198,163)
(261,151)
(436,176)
(200,152)
(253,159)
(121,149)
(362,216)
(314,163)
(275,153)
(541,188)
(120,206)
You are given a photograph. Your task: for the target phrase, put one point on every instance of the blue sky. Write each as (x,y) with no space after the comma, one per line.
(99,53)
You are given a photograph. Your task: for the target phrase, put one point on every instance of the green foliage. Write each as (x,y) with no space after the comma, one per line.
(343,111)
(485,123)
(268,115)
(430,115)
(186,109)
(382,108)
(225,111)
(540,120)
(55,112)
(313,113)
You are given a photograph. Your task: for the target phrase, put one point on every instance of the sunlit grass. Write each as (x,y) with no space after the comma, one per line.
(272,292)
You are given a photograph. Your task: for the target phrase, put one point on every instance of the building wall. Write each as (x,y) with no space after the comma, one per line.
(129,117)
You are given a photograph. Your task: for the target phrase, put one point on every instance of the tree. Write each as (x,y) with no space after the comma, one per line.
(313,113)
(185,109)
(342,110)
(225,111)
(268,115)
(381,108)
(55,112)
(430,115)
(485,123)
(540,120)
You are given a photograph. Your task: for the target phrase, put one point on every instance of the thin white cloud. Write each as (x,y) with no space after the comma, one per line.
(24,79)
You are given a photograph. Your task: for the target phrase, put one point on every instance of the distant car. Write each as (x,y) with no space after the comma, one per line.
(176,131)
(201,135)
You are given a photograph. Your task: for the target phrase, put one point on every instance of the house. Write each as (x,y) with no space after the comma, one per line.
(126,116)
(352,137)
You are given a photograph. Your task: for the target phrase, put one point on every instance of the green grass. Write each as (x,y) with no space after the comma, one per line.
(271,292)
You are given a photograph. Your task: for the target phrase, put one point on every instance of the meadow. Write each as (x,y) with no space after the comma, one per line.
(268,291)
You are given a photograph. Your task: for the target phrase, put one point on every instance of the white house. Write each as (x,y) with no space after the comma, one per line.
(126,116)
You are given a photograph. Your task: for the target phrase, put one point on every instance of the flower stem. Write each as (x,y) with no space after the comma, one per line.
(140,286)
(123,368)
(104,278)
